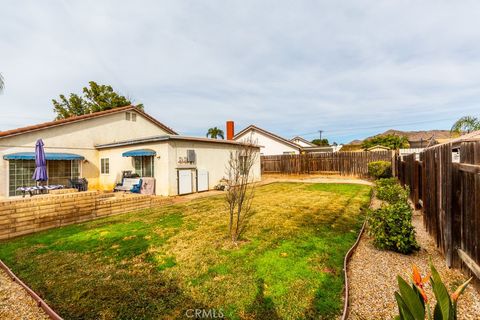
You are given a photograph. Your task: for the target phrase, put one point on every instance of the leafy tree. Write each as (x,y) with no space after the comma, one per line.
(95,98)
(390,141)
(215,133)
(466,124)
(320,142)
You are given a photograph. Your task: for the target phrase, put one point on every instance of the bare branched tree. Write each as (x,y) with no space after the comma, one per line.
(240,187)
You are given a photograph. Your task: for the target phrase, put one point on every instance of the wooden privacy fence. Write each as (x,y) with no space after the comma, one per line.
(343,163)
(449,195)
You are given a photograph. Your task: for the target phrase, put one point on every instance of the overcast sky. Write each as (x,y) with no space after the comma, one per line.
(350,68)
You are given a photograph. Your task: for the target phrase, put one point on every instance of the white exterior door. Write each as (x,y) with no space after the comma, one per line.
(202,180)
(185,181)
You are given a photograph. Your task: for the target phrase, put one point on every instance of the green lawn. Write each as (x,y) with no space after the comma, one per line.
(158,263)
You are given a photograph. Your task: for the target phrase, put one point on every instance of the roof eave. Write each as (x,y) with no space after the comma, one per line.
(54,124)
(168,138)
(268,133)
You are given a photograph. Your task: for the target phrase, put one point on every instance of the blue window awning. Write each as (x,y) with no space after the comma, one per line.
(48,156)
(139,153)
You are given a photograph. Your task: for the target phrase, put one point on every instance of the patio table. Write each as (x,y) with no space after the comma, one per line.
(38,189)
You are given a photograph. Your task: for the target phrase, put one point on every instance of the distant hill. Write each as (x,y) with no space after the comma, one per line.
(412,135)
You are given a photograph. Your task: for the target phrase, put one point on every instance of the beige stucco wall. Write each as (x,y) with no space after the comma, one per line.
(79,138)
(212,157)
(118,163)
(269,146)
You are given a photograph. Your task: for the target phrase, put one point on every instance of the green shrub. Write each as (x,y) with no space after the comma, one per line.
(391,227)
(390,191)
(384,182)
(380,169)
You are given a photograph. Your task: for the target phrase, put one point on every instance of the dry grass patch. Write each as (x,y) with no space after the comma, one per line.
(159,263)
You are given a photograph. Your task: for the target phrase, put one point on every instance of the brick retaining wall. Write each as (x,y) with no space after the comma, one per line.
(28,215)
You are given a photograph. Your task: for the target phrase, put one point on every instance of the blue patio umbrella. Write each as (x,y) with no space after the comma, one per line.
(40,173)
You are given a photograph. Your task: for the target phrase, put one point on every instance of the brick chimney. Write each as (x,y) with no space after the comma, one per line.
(230,130)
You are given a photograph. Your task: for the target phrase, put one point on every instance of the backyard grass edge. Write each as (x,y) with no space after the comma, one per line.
(40,303)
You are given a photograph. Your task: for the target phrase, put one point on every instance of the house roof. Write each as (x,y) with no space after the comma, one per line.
(472,136)
(51,124)
(168,138)
(267,133)
(303,140)
(318,148)
(378,147)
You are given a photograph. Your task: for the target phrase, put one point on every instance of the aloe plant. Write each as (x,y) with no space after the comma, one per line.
(413,303)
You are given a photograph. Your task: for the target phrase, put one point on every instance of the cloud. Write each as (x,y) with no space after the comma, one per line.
(347,67)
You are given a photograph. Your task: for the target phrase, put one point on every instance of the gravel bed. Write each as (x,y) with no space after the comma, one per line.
(16,303)
(373,272)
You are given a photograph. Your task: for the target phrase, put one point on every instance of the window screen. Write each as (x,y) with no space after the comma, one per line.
(105,166)
(144,166)
(59,171)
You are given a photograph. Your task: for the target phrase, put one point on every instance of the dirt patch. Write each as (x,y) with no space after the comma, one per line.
(267,179)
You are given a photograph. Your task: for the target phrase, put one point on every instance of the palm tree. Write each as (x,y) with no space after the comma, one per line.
(2,83)
(466,124)
(214,133)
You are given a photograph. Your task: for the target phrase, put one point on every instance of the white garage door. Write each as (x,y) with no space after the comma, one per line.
(185,181)
(202,176)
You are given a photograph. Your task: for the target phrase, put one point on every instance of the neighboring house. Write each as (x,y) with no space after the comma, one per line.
(406,151)
(270,143)
(302,142)
(378,148)
(323,149)
(309,147)
(99,146)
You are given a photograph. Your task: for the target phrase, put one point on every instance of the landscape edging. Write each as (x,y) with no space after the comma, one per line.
(42,304)
(345,270)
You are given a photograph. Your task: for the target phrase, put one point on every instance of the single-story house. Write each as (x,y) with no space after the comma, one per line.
(304,143)
(271,144)
(102,145)
(323,149)
(378,148)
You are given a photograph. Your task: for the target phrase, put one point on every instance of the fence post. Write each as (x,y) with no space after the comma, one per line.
(394,163)
(446,152)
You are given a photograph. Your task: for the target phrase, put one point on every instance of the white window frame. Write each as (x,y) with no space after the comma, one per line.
(105,166)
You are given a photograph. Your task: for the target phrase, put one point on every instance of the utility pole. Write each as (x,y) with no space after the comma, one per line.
(320,131)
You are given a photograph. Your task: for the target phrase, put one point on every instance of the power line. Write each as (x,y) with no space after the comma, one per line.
(376,127)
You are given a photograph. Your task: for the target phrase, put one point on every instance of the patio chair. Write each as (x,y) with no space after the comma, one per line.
(81,184)
(137,187)
(129,184)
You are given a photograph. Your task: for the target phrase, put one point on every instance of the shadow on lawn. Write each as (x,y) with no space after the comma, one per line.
(110,292)
(262,307)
